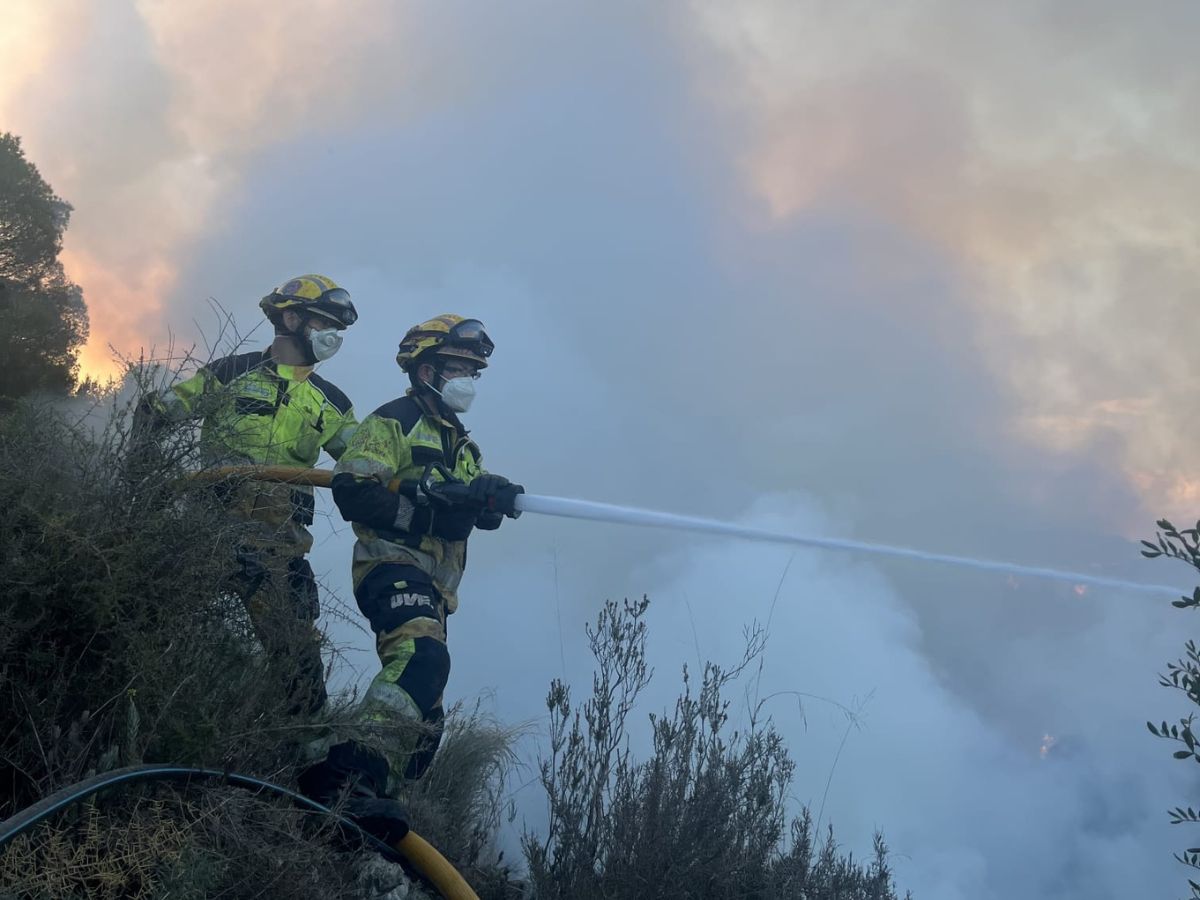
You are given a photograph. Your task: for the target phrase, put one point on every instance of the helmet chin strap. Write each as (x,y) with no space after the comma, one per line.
(461,399)
(441,399)
(437,373)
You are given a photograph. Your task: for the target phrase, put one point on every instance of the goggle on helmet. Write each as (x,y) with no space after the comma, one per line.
(312,295)
(446,335)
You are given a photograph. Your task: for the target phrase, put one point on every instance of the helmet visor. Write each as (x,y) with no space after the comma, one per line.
(469,335)
(336,305)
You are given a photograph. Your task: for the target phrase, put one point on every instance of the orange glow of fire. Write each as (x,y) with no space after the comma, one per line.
(122,309)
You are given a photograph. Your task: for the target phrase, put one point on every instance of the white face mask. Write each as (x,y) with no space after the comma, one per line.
(457,393)
(324,343)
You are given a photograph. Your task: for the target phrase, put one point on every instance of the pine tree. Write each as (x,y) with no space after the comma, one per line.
(43,320)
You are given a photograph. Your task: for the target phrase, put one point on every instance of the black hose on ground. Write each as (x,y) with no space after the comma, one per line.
(426,860)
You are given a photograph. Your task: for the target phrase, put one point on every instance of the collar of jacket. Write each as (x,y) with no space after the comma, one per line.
(285,371)
(430,410)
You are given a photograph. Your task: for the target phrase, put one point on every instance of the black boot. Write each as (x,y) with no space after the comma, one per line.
(360,774)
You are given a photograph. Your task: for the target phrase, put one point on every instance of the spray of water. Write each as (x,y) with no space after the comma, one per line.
(628,515)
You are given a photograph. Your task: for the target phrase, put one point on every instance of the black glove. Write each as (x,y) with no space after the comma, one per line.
(448,494)
(489,521)
(446,501)
(495,494)
(454,523)
(483,487)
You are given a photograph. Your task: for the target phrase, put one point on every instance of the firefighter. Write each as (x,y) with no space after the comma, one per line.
(270,407)
(411,549)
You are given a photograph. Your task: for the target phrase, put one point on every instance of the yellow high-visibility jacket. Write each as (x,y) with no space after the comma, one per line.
(255,411)
(398,441)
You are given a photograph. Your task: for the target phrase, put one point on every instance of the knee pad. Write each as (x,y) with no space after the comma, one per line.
(424,677)
(389,605)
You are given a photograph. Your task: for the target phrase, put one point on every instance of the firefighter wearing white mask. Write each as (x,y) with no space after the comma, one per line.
(269,408)
(411,549)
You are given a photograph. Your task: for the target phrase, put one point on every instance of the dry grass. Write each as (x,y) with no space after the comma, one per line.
(96,856)
(209,843)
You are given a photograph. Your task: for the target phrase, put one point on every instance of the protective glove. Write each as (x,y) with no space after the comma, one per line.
(454,523)
(489,521)
(483,487)
(447,494)
(446,502)
(495,494)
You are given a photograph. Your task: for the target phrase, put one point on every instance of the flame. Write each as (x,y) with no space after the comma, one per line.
(147,167)
(121,307)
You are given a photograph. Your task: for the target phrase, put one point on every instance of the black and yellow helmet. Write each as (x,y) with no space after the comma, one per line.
(311,295)
(445,335)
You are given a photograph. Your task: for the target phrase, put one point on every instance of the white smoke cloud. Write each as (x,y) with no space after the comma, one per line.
(1044,147)
(961,789)
(728,256)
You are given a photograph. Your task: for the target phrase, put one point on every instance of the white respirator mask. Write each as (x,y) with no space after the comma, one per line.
(324,343)
(457,393)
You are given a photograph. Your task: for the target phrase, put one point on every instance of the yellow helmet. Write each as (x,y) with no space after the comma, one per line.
(311,295)
(445,335)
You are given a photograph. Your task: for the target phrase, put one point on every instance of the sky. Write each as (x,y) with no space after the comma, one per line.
(917,274)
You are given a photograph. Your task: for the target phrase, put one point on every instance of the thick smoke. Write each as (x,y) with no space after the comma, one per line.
(909,277)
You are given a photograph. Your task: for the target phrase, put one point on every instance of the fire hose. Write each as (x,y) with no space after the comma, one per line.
(606,512)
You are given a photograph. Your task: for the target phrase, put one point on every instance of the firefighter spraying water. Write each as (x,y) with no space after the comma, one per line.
(414,486)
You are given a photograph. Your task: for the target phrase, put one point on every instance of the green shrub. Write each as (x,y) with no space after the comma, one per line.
(1182,675)
(120,637)
(704,816)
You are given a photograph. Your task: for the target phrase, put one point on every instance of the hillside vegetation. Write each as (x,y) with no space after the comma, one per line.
(122,642)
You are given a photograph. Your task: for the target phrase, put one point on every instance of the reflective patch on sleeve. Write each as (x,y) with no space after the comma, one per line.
(182,397)
(337,444)
(404,514)
(426,433)
(170,405)
(365,467)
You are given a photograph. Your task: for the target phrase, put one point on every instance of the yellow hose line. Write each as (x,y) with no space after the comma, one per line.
(279,474)
(283,474)
(432,865)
